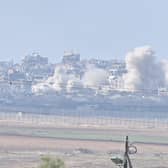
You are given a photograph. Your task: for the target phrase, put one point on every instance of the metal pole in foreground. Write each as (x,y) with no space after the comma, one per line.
(125,162)
(126,153)
(129,149)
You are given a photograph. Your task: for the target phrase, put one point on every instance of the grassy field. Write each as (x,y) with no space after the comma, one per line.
(88,134)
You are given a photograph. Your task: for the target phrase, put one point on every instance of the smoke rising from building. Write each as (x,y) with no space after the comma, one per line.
(165,68)
(62,81)
(143,71)
(56,83)
(95,77)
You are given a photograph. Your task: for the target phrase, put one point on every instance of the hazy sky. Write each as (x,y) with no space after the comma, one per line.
(103,29)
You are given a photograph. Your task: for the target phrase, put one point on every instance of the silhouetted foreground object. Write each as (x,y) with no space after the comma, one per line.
(50,162)
(129,149)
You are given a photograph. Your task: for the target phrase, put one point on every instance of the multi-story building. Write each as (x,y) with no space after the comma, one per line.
(115,75)
(70,57)
(36,67)
(4,67)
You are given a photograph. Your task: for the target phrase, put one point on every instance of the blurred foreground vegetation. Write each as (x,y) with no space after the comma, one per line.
(51,162)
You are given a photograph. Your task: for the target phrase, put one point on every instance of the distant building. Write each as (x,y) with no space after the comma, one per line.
(4,66)
(36,67)
(14,75)
(104,64)
(163,91)
(115,75)
(34,59)
(116,83)
(117,69)
(70,57)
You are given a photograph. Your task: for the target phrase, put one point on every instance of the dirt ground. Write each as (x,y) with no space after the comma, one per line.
(18,151)
(23,146)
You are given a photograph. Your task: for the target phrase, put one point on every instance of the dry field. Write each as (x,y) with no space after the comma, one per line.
(21,146)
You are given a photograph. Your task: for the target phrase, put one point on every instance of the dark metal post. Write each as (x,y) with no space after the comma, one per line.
(126,153)
(126,162)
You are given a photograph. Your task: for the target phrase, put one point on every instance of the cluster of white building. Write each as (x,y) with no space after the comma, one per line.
(33,69)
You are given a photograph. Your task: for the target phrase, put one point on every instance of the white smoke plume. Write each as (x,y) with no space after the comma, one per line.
(143,71)
(62,81)
(58,82)
(165,68)
(95,77)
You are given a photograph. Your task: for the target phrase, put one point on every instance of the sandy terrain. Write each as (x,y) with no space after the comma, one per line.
(22,146)
(19,151)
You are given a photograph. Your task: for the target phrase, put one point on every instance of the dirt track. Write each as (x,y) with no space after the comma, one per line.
(10,142)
